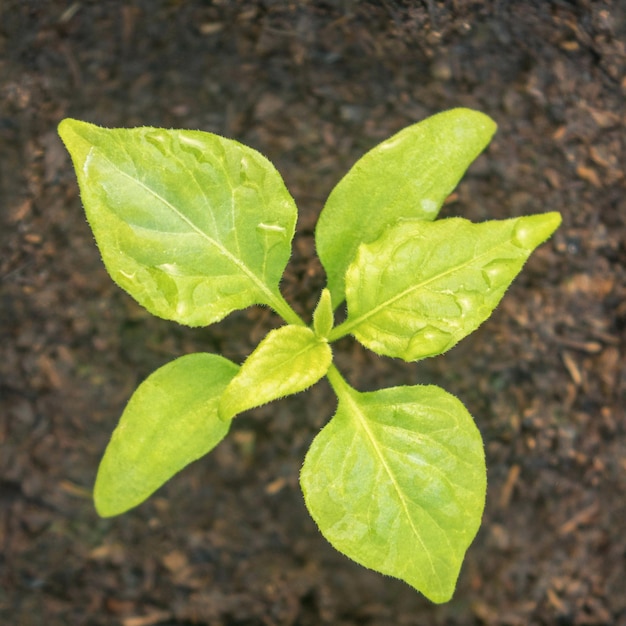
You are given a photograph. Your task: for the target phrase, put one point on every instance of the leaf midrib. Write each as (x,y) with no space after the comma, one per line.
(362,422)
(268,293)
(292,356)
(348,325)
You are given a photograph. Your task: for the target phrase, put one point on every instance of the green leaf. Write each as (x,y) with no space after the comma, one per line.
(408,175)
(396,481)
(323,317)
(423,286)
(288,360)
(170,421)
(192,225)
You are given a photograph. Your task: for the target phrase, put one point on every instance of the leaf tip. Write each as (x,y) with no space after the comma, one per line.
(323,315)
(102,510)
(471,121)
(105,504)
(533,230)
(64,125)
(439,598)
(65,129)
(68,127)
(224,412)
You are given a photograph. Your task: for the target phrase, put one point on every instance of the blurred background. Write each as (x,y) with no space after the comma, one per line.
(313,85)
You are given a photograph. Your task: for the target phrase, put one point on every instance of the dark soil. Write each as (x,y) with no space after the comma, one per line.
(313,85)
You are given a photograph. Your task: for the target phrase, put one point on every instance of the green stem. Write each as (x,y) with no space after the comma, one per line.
(340,331)
(337,381)
(282,307)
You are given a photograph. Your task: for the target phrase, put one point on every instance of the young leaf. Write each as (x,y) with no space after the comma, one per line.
(408,175)
(323,317)
(288,360)
(170,421)
(423,286)
(191,224)
(396,481)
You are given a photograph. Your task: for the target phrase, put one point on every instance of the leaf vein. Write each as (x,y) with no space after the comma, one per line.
(242,267)
(362,420)
(348,325)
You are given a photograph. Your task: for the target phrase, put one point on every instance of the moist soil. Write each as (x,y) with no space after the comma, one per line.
(313,85)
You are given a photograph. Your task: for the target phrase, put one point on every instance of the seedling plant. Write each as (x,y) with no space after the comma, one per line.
(195,226)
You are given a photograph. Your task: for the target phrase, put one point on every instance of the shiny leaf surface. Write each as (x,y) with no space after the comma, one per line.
(170,421)
(288,360)
(407,176)
(191,224)
(396,481)
(423,286)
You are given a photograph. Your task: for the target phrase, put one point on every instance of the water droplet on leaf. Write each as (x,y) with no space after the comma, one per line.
(499,272)
(429,341)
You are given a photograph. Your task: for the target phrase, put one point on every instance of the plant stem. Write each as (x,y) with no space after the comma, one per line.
(337,381)
(340,331)
(282,307)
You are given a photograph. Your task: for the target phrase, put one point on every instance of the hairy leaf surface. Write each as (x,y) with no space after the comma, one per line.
(170,421)
(288,360)
(408,175)
(423,286)
(396,481)
(191,224)
(323,318)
